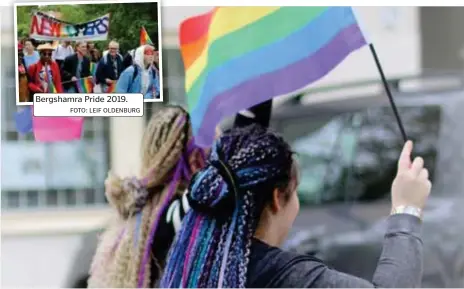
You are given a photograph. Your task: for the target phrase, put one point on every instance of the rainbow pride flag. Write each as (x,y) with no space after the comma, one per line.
(51,87)
(93,68)
(144,38)
(236,57)
(111,88)
(85,85)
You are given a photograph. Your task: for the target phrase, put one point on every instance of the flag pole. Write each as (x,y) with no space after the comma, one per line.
(387,90)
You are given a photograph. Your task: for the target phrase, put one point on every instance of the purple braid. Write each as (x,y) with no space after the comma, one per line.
(165,204)
(182,172)
(228,194)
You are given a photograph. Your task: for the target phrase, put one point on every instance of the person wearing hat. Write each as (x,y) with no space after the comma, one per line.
(45,74)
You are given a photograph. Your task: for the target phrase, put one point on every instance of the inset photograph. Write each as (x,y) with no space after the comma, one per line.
(77,47)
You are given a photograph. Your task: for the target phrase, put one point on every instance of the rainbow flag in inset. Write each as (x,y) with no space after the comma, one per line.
(306,43)
(51,87)
(85,85)
(144,38)
(111,88)
(93,68)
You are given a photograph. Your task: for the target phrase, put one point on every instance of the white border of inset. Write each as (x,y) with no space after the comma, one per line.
(15,19)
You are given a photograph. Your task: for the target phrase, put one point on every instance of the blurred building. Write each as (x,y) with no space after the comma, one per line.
(53,193)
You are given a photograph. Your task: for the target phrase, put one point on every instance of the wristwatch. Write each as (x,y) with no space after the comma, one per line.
(410,210)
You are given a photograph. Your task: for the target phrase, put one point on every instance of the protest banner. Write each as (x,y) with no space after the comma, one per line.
(46,28)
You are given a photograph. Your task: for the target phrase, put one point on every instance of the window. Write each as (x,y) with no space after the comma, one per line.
(353,156)
(57,175)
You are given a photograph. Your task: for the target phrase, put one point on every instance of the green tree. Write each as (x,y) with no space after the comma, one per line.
(127,19)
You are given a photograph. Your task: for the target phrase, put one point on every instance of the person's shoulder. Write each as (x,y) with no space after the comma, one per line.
(32,67)
(129,69)
(273,267)
(72,56)
(263,250)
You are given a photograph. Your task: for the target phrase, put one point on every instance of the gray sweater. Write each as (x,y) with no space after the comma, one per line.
(400,264)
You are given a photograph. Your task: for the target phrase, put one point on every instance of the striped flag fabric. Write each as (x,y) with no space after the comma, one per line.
(233,62)
(93,68)
(144,37)
(85,85)
(111,88)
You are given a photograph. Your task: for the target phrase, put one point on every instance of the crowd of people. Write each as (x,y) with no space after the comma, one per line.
(60,67)
(215,217)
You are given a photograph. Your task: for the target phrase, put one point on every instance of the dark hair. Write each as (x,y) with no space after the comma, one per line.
(29,40)
(95,55)
(227,198)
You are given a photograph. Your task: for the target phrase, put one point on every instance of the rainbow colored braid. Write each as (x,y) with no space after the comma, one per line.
(227,196)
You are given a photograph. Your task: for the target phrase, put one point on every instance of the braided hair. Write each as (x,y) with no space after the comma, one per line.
(227,198)
(169,158)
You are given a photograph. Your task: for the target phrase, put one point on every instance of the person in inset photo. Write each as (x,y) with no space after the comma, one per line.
(45,76)
(75,67)
(90,46)
(156,60)
(94,55)
(109,67)
(31,56)
(62,51)
(141,77)
(128,59)
(24,95)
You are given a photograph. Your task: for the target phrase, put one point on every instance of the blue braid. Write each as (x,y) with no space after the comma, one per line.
(176,255)
(196,257)
(202,258)
(214,275)
(258,159)
(227,245)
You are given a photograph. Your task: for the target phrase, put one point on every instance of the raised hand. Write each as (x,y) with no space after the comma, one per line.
(411,186)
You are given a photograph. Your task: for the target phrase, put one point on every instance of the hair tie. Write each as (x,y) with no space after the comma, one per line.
(139,191)
(227,174)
